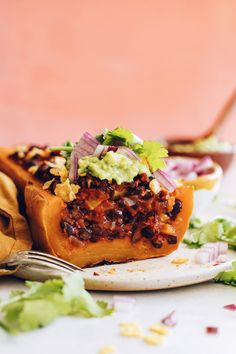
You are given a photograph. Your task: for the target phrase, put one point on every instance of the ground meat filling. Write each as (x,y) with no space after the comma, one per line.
(103,209)
(107,210)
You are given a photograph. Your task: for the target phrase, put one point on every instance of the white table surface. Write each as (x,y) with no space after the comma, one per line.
(196,307)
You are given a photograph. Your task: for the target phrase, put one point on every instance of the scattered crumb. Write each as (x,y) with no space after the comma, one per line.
(95,274)
(153,339)
(179,260)
(136,270)
(107,349)
(111,271)
(130,329)
(159,328)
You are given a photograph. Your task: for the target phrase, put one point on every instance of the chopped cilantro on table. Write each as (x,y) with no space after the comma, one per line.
(43,302)
(219,229)
(228,277)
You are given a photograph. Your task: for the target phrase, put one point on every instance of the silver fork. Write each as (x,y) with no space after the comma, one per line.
(40,259)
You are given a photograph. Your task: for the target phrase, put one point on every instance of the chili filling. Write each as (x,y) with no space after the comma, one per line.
(104,209)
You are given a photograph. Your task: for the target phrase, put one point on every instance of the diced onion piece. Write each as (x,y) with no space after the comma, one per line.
(170,320)
(212,330)
(165,180)
(128,201)
(203,257)
(103,149)
(213,247)
(123,303)
(85,147)
(127,152)
(222,247)
(231,307)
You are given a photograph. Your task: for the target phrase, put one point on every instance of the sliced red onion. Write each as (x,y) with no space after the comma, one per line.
(187,168)
(204,164)
(86,146)
(123,303)
(231,307)
(103,149)
(165,180)
(170,320)
(127,152)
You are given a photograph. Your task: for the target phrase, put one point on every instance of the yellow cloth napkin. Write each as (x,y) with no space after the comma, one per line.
(14,230)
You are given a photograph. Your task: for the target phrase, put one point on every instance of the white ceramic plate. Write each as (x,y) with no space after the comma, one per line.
(154,274)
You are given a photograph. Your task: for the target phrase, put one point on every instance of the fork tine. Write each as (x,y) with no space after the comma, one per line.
(45,264)
(59,260)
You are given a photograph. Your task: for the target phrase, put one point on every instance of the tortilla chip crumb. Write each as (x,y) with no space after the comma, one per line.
(107,349)
(153,339)
(130,329)
(159,328)
(179,260)
(111,271)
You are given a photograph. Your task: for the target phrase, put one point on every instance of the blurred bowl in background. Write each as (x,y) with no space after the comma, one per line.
(203,175)
(222,158)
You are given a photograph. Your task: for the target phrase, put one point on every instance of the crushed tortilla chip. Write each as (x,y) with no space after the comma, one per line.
(33,169)
(66,191)
(108,349)
(130,329)
(62,172)
(153,339)
(179,260)
(48,184)
(159,328)
(35,151)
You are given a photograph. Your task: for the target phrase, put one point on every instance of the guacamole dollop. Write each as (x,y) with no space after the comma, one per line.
(113,166)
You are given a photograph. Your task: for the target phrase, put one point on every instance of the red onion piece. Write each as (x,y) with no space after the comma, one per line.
(212,330)
(127,152)
(86,146)
(123,303)
(165,180)
(170,320)
(128,201)
(231,307)
(203,257)
(204,164)
(103,149)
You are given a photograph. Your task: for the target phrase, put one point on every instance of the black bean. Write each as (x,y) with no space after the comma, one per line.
(127,217)
(147,196)
(68,228)
(157,243)
(171,239)
(176,209)
(147,232)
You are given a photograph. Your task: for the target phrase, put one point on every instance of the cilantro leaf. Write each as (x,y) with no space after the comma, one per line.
(228,277)
(119,136)
(44,302)
(153,152)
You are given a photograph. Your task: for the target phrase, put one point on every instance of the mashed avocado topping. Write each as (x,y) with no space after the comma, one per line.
(112,166)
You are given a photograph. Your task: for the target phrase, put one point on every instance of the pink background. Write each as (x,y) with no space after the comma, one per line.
(158,67)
